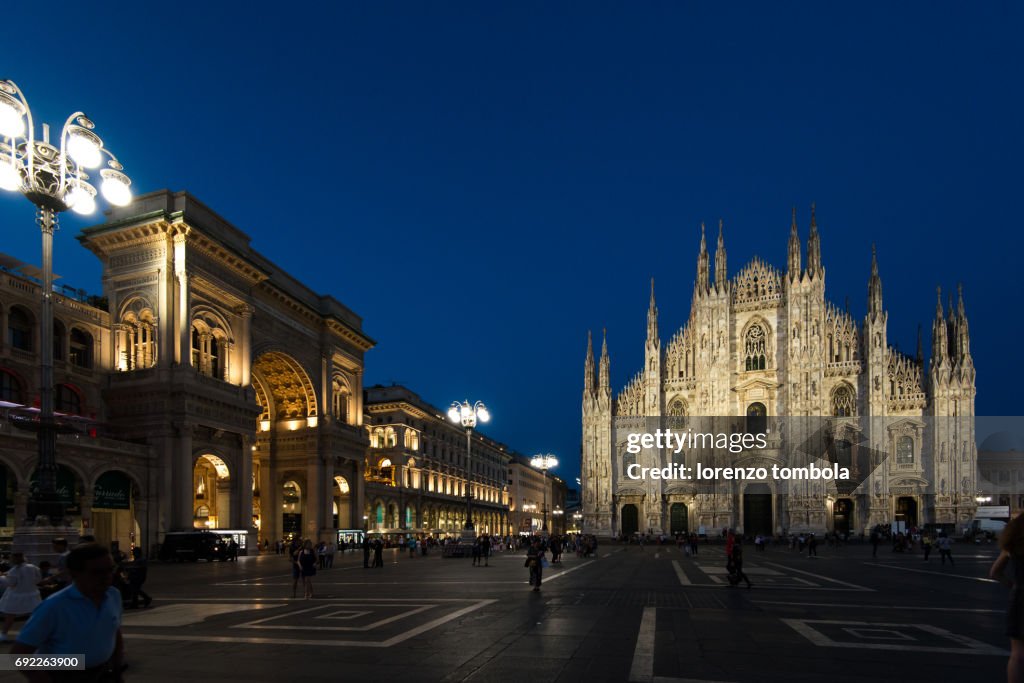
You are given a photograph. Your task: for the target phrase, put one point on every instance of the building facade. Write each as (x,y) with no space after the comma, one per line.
(418,471)
(228,394)
(534,497)
(767,347)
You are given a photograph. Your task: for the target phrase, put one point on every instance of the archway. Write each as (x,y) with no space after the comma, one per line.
(211,493)
(291,506)
(757,510)
(69,491)
(906,511)
(679,519)
(113,510)
(630,519)
(342,503)
(842,516)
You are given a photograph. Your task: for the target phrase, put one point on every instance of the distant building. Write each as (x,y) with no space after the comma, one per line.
(418,473)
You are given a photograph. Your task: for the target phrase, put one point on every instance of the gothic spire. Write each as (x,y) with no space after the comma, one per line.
(652,318)
(940,335)
(814,247)
(702,263)
(874,287)
(721,273)
(588,366)
(963,337)
(604,378)
(794,250)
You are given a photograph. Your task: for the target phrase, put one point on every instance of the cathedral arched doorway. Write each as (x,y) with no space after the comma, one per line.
(906,511)
(842,516)
(630,520)
(757,510)
(679,522)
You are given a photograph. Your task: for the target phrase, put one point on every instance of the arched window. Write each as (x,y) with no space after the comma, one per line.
(81,348)
(755,348)
(677,414)
(67,400)
(905,451)
(341,398)
(757,418)
(844,403)
(10,388)
(390,439)
(207,352)
(58,340)
(19,328)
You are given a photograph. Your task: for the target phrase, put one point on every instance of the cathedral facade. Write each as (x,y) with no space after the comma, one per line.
(766,351)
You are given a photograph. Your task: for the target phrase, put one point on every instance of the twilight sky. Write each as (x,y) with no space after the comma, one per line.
(484,182)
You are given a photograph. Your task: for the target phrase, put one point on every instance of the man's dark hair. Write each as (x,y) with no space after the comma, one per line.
(82,554)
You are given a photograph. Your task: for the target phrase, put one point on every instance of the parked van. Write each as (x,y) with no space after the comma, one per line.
(987,528)
(181,546)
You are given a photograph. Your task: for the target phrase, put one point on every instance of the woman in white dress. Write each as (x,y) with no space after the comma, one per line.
(22,594)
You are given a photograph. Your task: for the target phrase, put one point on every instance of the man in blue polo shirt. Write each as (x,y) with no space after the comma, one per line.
(82,619)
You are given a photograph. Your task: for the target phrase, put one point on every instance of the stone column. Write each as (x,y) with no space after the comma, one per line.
(242,514)
(245,346)
(357,488)
(20,507)
(183,340)
(312,514)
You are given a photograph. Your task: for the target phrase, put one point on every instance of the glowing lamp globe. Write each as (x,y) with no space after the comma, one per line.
(84,147)
(116,187)
(81,199)
(12,121)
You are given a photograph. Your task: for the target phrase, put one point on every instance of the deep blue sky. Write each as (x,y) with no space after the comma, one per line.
(484,182)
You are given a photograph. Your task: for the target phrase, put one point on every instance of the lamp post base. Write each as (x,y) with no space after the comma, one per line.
(36,539)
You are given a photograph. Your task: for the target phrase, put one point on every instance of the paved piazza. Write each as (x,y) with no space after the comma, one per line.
(629,615)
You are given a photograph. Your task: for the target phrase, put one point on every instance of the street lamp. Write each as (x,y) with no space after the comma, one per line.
(981,500)
(544,462)
(54,179)
(557,512)
(468,415)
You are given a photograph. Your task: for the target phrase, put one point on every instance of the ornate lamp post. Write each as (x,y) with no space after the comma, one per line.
(53,177)
(468,415)
(544,462)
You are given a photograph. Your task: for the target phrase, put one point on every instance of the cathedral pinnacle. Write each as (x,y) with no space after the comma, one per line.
(721,273)
(652,318)
(703,274)
(794,250)
(814,248)
(874,287)
(604,378)
(588,366)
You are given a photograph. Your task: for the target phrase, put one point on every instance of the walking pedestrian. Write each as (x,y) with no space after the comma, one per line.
(137,571)
(812,546)
(485,550)
(946,549)
(876,538)
(84,618)
(22,593)
(736,561)
(534,561)
(378,553)
(366,552)
(1011,547)
(307,561)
